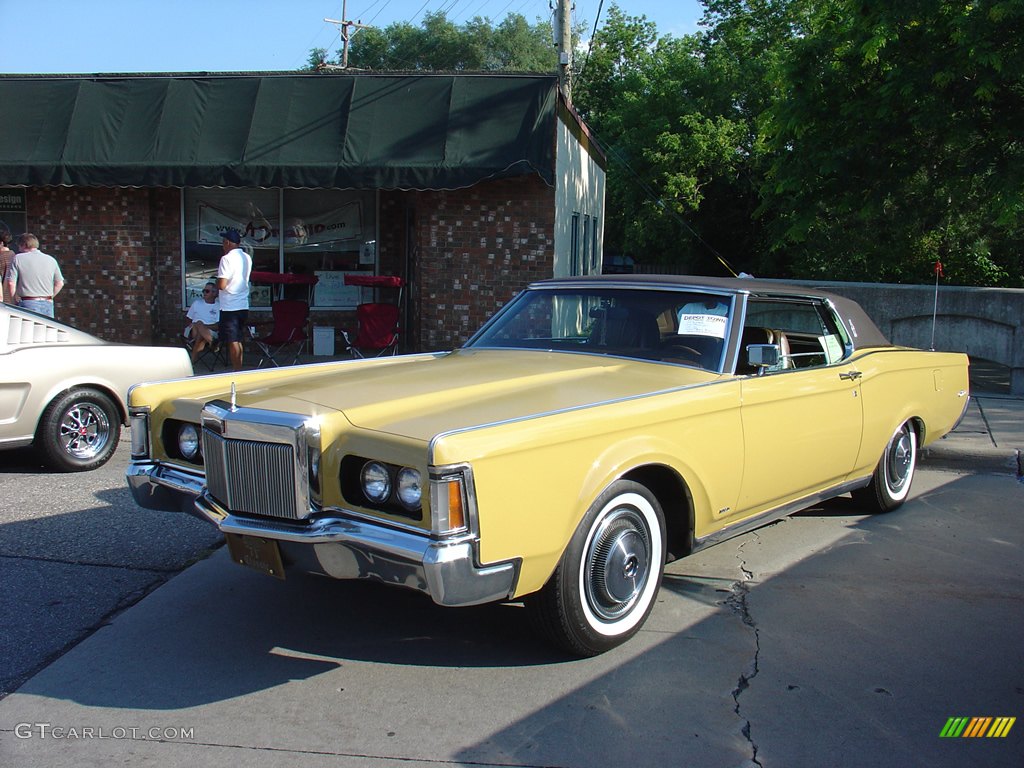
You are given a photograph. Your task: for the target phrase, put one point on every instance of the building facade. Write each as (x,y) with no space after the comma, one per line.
(467,186)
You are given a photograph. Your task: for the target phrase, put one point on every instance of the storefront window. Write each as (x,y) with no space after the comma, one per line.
(302,231)
(208,212)
(329,233)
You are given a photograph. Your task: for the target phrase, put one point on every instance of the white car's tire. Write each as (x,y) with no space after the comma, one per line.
(79,430)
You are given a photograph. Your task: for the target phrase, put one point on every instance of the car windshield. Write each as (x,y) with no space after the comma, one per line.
(682,327)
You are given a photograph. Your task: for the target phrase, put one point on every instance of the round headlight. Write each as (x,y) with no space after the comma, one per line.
(376,482)
(188,441)
(409,489)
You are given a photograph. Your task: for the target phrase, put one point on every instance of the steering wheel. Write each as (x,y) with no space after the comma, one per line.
(674,349)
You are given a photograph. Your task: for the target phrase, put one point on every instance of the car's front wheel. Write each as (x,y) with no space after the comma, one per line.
(79,430)
(604,586)
(890,483)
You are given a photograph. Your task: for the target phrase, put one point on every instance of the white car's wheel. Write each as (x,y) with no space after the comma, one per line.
(890,483)
(605,584)
(79,430)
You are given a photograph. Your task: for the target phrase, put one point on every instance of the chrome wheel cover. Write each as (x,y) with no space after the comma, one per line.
(899,461)
(84,431)
(617,564)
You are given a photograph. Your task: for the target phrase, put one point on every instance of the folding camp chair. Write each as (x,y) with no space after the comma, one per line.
(379,323)
(288,336)
(212,355)
(378,331)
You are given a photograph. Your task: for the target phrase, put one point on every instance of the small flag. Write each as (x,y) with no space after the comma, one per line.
(938,269)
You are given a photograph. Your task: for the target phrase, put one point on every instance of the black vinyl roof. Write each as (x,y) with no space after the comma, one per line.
(863,328)
(318,130)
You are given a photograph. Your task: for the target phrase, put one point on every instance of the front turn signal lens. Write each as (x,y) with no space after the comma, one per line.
(456,511)
(140,432)
(448,504)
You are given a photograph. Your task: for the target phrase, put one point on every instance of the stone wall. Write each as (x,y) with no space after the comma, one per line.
(983,322)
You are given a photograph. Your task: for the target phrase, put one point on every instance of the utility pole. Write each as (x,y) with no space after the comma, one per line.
(346,35)
(563,39)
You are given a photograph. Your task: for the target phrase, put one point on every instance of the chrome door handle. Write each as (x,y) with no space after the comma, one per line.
(850,375)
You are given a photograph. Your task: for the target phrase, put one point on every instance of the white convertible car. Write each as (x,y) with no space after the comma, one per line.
(64,391)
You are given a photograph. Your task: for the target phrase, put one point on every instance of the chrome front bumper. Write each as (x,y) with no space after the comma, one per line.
(337,546)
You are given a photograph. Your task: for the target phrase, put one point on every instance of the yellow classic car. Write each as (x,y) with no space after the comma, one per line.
(593,430)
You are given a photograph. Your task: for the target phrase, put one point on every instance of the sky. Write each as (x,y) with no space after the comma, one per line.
(93,36)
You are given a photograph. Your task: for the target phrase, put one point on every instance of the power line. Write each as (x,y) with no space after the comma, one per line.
(593,36)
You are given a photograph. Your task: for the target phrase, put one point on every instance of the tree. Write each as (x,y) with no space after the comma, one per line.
(440,45)
(896,142)
(680,119)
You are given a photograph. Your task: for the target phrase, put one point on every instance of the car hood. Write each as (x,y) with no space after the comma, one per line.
(421,396)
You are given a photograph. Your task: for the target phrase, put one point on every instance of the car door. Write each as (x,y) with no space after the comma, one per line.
(802,422)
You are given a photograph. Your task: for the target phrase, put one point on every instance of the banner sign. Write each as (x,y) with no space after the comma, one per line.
(317,229)
(12,200)
(12,211)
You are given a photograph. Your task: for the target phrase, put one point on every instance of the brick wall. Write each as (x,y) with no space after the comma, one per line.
(119,250)
(477,248)
(469,250)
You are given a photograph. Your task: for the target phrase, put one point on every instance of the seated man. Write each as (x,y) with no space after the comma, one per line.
(204,315)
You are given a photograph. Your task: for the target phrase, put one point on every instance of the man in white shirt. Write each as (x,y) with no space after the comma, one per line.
(203,317)
(233,282)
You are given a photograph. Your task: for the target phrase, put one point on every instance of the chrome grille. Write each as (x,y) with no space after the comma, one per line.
(251,476)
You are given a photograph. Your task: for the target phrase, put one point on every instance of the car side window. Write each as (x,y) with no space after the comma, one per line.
(805,332)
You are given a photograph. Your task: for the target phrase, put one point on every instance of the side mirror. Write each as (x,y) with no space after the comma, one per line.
(763,356)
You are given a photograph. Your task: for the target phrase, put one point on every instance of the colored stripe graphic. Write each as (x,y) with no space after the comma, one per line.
(977,727)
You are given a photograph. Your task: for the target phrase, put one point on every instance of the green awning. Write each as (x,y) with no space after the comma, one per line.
(350,131)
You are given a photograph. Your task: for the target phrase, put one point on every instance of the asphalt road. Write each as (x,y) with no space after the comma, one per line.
(74,551)
(829,638)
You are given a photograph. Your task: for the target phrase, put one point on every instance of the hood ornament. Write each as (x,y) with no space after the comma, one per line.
(234,394)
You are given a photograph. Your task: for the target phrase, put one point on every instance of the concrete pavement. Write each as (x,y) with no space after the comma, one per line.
(793,645)
(829,638)
(990,438)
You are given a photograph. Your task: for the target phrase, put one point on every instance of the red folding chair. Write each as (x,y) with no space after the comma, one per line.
(288,336)
(379,323)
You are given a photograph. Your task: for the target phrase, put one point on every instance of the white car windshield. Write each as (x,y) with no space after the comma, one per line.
(681,327)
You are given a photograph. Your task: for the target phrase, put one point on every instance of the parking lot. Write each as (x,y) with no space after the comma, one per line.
(828,638)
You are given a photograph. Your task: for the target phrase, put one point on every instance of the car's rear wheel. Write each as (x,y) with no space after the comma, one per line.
(79,430)
(605,584)
(890,483)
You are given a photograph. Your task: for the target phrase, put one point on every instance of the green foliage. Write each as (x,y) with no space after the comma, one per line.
(439,45)
(684,115)
(850,139)
(896,143)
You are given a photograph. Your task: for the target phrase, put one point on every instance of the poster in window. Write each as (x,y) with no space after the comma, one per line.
(259,231)
(331,291)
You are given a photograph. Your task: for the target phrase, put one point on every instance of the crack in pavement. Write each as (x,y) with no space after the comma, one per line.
(737,601)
